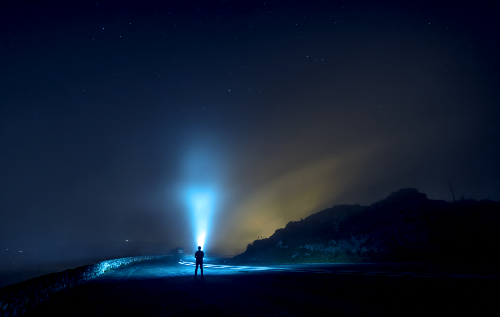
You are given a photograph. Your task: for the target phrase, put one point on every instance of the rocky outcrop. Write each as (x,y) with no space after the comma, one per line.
(406,226)
(22,297)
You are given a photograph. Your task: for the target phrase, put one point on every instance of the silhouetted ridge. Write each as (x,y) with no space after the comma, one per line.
(404,196)
(405,226)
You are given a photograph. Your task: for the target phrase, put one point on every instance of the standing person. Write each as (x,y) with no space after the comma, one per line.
(199,261)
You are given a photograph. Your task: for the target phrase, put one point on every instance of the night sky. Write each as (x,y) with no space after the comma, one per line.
(111,112)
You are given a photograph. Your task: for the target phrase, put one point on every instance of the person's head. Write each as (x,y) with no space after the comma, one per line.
(199,248)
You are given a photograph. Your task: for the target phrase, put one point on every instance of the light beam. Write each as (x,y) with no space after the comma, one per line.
(201,205)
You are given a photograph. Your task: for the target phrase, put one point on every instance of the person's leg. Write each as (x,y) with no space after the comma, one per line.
(196,270)
(201,268)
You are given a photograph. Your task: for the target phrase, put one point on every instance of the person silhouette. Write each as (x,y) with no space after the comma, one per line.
(199,261)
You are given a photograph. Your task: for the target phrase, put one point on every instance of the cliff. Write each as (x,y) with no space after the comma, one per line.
(406,226)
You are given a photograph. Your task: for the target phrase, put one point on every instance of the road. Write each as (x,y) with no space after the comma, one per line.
(168,288)
(225,266)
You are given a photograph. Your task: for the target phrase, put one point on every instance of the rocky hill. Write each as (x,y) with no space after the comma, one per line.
(406,226)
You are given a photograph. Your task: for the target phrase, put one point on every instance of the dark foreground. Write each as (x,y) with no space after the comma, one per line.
(166,288)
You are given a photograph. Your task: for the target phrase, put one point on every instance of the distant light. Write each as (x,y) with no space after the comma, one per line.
(126,240)
(20,251)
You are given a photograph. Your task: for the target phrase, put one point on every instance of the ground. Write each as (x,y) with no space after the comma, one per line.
(167,288)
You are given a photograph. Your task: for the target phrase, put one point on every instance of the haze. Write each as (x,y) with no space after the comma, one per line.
(110,113)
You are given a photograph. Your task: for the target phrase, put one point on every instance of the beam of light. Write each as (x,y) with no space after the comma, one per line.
(201,205)
(201,239)
(199,188)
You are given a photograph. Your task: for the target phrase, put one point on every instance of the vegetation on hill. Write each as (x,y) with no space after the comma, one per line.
(406,226)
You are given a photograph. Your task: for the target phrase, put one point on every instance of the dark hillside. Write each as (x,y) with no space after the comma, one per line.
(406,226)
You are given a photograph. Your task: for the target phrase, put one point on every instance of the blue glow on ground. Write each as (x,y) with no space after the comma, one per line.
(232,267)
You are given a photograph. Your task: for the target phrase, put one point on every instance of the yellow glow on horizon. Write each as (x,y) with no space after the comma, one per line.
(296,195)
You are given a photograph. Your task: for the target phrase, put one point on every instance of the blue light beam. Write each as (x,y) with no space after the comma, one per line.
(201,204)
